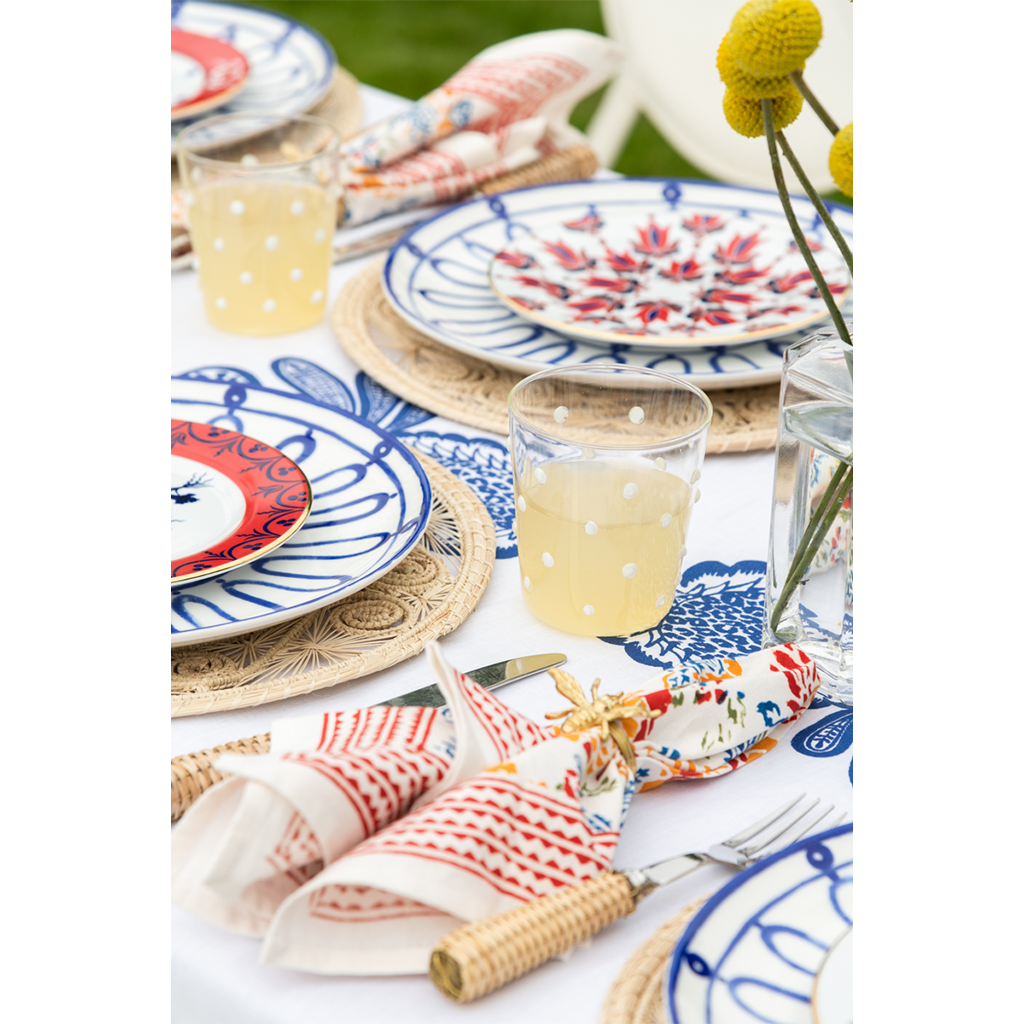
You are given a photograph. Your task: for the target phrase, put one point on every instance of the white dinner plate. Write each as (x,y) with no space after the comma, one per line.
(371,502)
(290,64)
(754,950)
(436,277)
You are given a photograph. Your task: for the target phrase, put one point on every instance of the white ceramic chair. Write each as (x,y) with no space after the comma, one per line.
(670,75)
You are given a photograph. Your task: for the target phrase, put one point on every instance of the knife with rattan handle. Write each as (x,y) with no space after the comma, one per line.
(484,955)
(193,774)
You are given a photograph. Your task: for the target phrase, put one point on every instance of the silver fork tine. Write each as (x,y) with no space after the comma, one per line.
(749,833)
(747,851)
(788,840)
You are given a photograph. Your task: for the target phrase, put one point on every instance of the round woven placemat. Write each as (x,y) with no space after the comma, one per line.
(474,392)
(636,994)
(425,596)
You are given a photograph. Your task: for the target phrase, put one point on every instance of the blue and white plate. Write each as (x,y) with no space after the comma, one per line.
(754,950)
(371,502)
(436,277)
(290,65)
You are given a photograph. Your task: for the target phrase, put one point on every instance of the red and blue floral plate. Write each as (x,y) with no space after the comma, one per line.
(205,73)
(233,499)
(682,276)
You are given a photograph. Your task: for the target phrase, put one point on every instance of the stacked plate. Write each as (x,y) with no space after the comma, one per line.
(774,945)
(227,58)
(279,505)
(694,278)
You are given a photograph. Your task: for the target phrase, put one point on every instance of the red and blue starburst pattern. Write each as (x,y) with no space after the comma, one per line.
(705,277)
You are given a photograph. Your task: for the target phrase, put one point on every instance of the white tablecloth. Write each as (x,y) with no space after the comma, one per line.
(216,976)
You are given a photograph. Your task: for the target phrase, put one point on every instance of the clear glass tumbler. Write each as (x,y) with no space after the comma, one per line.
(261,192)
(809,585)
(606,462)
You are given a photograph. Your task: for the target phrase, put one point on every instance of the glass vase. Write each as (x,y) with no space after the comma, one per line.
(812,605)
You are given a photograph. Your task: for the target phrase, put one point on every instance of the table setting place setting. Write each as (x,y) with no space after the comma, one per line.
(512,543)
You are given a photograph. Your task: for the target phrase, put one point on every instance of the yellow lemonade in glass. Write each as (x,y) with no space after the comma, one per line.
(264,252)
(601,543)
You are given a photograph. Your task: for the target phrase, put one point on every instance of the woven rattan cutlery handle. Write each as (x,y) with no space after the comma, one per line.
(484,955)
(191,774)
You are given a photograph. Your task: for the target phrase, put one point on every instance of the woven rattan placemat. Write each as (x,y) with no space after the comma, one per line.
(636,994)
(425,596)
(471,391)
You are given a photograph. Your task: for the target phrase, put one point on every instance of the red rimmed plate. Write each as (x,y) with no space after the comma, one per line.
(233,499)
(205,73)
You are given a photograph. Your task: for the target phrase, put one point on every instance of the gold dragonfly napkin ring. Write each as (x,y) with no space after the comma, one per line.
(606,711)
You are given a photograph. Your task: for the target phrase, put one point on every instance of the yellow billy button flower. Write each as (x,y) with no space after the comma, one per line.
(774,37)
(840,160)
(744,114)
(748,86)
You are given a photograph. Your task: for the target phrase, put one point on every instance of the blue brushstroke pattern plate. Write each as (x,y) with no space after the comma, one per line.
(371,503)
(753,951)
(290,65)
(436,277)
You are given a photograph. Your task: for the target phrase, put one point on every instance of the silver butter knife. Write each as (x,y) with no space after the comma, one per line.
(490,676)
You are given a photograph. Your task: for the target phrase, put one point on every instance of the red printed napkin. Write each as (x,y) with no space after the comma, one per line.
(502,810)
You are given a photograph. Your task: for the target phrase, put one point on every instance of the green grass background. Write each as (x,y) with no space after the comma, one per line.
(409,47)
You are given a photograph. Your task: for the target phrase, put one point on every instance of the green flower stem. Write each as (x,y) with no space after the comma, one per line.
(820,523)
(797,78)
(826,217)
(794,225)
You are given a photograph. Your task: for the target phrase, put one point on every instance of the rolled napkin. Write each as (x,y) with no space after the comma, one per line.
(507,107)
(523,810)
(328,782)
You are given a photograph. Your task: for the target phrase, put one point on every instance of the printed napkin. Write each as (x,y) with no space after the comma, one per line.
(506,108)
(502,810)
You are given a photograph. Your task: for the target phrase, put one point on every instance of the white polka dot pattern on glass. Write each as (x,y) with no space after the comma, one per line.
(561,414)
(237,207)
(245,277)
(636,414)
(221,302)
(629,570)
(189,199)
(218,244)
(271,242)
(682,551)
(297,207)
(295,273)
(666,519)
(521,502)
(269,306)
(695,476)
(630,491)
(527,583)
(588,453)
(317,296)
(659,463)
(697,496)
(660,602)
(250,160)
(319,236)
(590,527)
(197,173)
(195,262)
(547,559)
(540,476)
(588,609)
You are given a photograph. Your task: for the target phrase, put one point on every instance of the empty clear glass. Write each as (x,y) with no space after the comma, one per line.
(606,462)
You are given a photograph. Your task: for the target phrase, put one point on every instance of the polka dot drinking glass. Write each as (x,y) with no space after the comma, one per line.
(261,193)
(606,462)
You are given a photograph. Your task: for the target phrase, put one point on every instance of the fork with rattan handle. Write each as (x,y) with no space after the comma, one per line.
(485,955)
